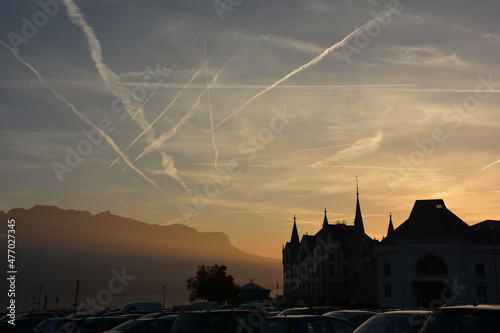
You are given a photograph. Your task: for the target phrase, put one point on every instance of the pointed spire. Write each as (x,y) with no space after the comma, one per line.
(325,221)
(391,226)
(295,234)
(359,229)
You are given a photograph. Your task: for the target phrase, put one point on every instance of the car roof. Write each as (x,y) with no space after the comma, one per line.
(491,307)
(302,316)
(403,312)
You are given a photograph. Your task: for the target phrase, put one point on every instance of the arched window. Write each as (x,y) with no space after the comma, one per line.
(431,265)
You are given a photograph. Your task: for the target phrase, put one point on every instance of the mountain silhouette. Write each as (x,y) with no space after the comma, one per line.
(116,259)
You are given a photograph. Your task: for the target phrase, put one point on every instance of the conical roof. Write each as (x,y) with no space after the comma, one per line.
(295,234)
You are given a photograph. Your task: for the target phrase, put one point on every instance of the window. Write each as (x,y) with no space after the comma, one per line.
(481,294)
(480,270)
(388,290)
(387,269)
(318,326)
(431,265)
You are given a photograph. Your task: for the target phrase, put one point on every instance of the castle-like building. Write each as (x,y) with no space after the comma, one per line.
(335,266)
(431,259)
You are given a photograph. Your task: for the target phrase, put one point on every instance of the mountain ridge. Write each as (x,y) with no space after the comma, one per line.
(56,247)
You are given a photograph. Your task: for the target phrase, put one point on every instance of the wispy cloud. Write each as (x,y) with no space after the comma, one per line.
(307,65)
(111,80)
(357,149)
(84,118)
(429,56)
(160,142)
(288,43)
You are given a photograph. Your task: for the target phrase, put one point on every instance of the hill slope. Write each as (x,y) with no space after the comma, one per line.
(117,259)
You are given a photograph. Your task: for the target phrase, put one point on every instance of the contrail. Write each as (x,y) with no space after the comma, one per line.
(84,118)
(386,87)
(156,145)
(77,18)
(357,149)
(305,66)
(165,136)
(108,76)
(490,165)
(163,112)
(216,153)
(181,56)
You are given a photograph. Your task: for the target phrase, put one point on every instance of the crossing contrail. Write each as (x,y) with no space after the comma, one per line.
(216,153)
(78,19)
(163,112)
(166,136)
(305,66)
(84,118)
(109,77)
(182,56)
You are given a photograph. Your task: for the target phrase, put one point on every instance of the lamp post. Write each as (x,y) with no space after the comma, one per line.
(39,297)
(164,296)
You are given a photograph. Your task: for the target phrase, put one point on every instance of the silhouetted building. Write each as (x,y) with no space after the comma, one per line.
(435,258)
(252,292)
(336,266)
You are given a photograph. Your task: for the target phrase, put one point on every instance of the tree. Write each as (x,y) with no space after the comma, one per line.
(212,283)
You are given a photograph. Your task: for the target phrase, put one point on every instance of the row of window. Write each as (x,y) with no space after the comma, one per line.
(429,266)
(480,290)
(305,255)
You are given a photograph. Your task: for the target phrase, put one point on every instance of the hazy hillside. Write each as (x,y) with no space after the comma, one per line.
(57,247)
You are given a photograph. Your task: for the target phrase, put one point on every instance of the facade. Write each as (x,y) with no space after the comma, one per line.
(335,266)
(431,259)
(434,258)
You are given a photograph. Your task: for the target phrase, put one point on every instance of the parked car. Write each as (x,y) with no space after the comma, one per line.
(309,310)
(34,314)
(92,324)
(141,307)
(306,324)
(409,321)
(464,319)
(227,321)
(146,325)
(357,317)
(51,325)
(158,314)
(22,325)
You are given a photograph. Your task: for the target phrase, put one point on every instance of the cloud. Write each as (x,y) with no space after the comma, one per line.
(309,64)
(288,43)
(84,118)
(357,149)
(427,56)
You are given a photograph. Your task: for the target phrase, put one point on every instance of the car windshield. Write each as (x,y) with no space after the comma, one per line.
(392,323)
(278,326)
(127,325)
(456,322)
(187,322)
(42,324)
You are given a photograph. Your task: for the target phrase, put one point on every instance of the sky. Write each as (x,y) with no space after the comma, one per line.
(237,115)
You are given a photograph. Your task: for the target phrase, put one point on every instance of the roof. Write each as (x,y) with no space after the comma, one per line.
(252,286)
(430,219)
(487,231)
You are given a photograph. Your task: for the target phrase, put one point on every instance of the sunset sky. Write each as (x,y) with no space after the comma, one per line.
(236,115)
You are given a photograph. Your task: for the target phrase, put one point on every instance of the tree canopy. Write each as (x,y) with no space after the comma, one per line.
(212,283)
